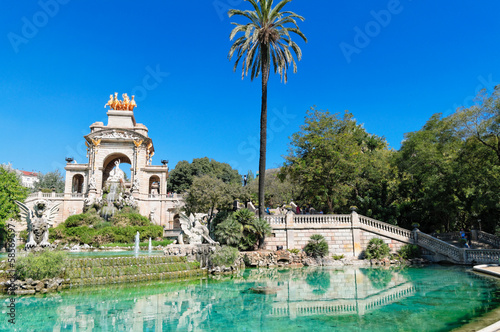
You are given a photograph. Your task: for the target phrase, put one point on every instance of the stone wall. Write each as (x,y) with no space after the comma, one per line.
(345,234)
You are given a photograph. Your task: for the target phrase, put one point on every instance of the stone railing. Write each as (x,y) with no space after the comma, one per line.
(488,238)
(457,255)
(440,247)
(45,196)
(385,227)
(473,256)
(276,219)
(322,219)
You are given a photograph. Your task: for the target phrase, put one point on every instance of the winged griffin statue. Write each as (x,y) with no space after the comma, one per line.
(194,229)
(38,219)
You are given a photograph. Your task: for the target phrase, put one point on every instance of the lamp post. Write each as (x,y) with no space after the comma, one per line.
(69,159)
(244,180)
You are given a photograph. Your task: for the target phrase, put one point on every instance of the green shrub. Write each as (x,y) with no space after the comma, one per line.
(409,251)
(293,251)
(83,219)
(229,232)
(85,234)
(317,246)
(224,256)
(377,249)
(338,257)
(129,219)
(37,266)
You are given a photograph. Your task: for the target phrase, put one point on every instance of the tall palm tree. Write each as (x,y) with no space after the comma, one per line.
(266,40)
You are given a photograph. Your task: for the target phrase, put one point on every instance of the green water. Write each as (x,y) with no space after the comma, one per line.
(427,299)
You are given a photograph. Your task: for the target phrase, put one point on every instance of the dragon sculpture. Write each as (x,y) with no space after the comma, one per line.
(39,219)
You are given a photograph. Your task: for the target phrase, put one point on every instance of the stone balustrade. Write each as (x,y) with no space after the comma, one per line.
(488,238)
(458,255)
(385,227)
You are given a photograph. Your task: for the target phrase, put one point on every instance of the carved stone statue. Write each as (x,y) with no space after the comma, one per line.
(92,183)
(116,173)
(135,184)
(194,229)
(39,220)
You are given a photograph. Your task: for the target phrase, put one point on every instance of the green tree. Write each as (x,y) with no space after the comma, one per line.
(10,190)
(208,193)
(481,121)
(51,180)
(266,39)
(182,176)
(278,190)
(328,157)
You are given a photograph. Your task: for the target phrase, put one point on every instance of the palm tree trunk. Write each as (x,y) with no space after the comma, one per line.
(263,129)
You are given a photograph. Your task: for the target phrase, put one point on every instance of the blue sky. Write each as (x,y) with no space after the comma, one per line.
(391,63)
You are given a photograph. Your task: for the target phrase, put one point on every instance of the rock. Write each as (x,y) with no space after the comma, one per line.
(24,291)
(39,286)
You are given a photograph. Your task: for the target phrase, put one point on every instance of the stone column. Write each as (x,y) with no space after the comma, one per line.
(289,229)
(356,234)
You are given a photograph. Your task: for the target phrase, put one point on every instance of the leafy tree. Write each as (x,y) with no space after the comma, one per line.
(10,190)
(209,193)
(182,176)
(51,180)
(328,158)
(481,121)
(278,190)
(266,39)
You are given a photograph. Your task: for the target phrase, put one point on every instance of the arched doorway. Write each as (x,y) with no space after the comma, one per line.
(114,163)
(77,187)
(154,185)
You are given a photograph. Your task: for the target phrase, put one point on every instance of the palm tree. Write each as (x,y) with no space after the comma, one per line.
(266,40)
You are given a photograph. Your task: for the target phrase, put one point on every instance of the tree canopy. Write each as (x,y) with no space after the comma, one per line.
(182,176)
(50,180)
(10,191)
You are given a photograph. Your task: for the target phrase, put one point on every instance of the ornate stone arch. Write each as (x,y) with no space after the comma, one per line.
(109,163)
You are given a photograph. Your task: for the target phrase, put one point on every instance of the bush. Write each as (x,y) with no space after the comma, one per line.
(229,232)
(317,246)
(293,251)
(224,256)
(83,219)
(37,266)
(377,249)
(338,257)
(129,219)
(409,251)
(84,234)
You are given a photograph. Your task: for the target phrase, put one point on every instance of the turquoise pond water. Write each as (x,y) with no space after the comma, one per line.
(435,298)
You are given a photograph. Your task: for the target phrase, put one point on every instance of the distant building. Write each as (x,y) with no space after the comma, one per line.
(28,179)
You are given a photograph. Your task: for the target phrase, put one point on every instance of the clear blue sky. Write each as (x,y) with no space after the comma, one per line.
(59,64)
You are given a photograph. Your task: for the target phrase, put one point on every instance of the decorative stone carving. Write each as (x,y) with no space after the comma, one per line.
(194,229)
(92,183)
(39,220)
(117,134)
(135,185)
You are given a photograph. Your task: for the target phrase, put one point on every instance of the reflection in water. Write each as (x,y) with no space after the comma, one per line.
(413,299)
